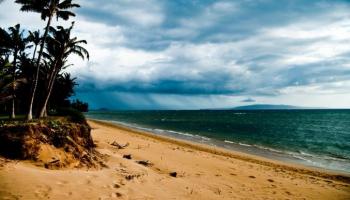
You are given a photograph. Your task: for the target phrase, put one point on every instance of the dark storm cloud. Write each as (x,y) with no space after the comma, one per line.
(153,26)
(202,48)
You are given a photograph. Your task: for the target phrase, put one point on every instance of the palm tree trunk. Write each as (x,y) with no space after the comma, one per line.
(13,115)
(30,112)
(34,52)
(43,110)
(51,76)
(45,113)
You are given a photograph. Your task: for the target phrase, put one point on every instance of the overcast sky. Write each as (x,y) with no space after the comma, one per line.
(190,54)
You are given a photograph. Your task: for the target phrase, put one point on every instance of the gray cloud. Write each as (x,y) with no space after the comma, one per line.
(149,49)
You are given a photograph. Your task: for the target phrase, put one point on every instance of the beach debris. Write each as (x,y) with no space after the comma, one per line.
(270,180)
(102,164)
(173,174)
(119,146)
(218,191)
(116,185)
(127,156)
(54,163)
(145,163)
(132,176)
(118,194)
(251,176)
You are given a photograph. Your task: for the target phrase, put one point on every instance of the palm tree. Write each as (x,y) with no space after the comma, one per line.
(62,90)
(48,9)
(5,80)
(59,47)
(6,88)
(5,43)
(36,39)
(15,43)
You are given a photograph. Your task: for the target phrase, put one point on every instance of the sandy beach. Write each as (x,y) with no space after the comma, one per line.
(202,172)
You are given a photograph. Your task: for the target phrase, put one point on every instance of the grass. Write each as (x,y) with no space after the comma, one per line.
(7,118)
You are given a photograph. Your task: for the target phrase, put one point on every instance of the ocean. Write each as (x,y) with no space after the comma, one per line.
(318,138)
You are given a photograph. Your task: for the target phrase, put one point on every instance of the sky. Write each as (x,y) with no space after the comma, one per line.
(193,54)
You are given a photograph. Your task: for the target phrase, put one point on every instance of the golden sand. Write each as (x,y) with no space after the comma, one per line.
(202,172)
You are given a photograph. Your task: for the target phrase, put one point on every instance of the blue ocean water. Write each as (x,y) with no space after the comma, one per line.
(319,138)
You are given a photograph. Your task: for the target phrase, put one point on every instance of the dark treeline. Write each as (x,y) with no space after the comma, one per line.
(32,62)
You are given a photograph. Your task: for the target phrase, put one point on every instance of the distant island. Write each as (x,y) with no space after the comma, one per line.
(268,107)
(265,107)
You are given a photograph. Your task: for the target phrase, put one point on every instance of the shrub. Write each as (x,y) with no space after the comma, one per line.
(72,114)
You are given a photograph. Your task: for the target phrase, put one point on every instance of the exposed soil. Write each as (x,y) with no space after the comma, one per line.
(52,144)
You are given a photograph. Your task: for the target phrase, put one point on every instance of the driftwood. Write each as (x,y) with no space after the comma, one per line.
(173,174)
(52,164)
(119,146)
(145,163)
(127,156)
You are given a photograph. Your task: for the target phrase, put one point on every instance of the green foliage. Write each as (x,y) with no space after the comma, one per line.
(79,105)
(28,77)
(54,124)
(72,114)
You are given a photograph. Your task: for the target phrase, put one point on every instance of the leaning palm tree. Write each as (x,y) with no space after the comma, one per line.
(59,47)
(48,9)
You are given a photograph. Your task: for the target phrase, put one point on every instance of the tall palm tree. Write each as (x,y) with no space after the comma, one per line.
(59,47)
(48,9)
(15,43)
(36,39)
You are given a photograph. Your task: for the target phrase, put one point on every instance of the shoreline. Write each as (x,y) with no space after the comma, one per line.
(278,164)
(279,135)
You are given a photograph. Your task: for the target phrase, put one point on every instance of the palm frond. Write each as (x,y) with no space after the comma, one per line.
(32,5)
(64,14)
(67,4)
(45,13)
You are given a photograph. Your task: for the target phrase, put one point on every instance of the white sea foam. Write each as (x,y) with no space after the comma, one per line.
(203,137)
(305,154)
(243,144)
(180,133)
(268,149)
(303,158)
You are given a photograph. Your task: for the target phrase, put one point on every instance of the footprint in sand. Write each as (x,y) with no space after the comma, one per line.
(43,192)
(61,183)
(116,195)
(8,196)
